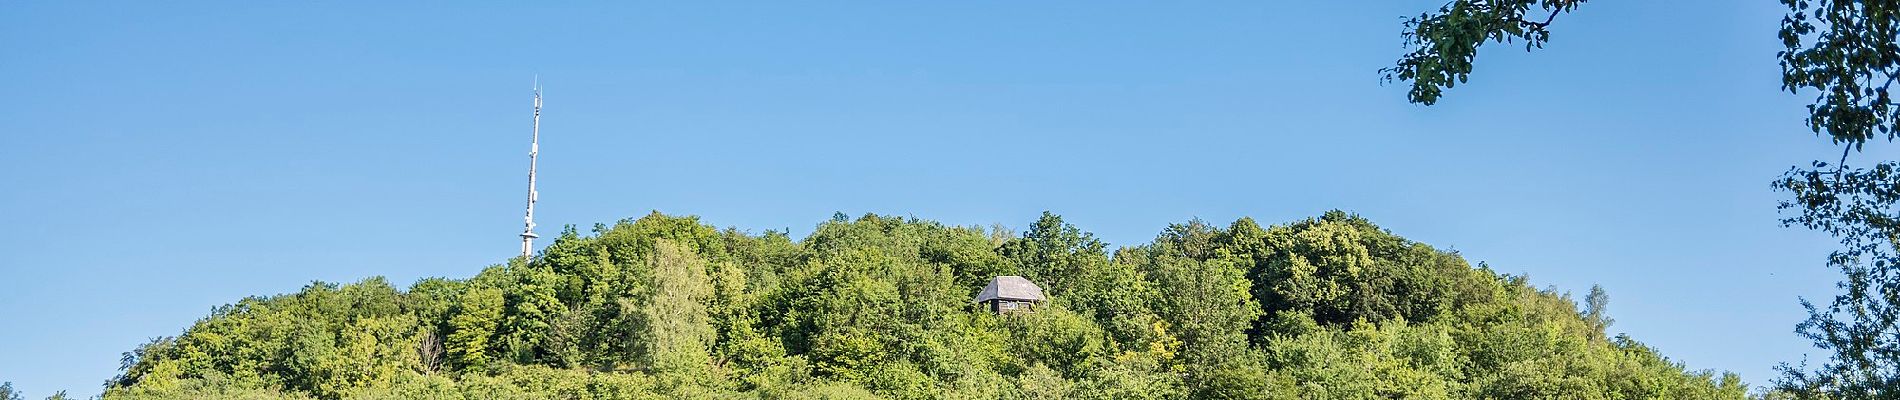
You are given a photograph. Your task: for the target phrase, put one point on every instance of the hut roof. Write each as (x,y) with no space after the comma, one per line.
(1010,287)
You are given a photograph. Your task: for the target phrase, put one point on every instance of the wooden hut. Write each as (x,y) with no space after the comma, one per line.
(1010,293)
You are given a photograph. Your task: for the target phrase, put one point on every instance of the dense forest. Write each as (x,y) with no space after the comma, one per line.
(667,307)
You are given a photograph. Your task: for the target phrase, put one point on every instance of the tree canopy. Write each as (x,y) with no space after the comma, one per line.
(880,307)
(1844,53)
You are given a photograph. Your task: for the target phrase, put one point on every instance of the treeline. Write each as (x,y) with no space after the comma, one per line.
(880,307)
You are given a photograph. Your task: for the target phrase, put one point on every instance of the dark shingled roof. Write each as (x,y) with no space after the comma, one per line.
(1010,287)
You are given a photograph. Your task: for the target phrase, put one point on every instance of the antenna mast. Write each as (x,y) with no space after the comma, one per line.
(534,147)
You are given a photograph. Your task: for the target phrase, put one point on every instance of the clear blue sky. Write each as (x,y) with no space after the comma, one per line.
(163,159)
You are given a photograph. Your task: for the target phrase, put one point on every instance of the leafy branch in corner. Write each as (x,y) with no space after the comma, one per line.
(1444,44)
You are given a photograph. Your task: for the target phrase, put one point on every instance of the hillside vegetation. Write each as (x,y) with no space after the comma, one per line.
(668,307)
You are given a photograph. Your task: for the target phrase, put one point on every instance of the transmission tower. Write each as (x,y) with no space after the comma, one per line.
(534,148)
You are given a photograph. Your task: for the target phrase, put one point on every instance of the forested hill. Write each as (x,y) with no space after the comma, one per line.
(880,307)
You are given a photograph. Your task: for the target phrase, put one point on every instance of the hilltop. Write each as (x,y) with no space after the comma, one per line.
(880,307)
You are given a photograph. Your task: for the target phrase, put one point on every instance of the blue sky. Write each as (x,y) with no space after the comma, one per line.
(164,159)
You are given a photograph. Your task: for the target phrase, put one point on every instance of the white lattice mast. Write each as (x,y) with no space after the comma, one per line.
(534,148)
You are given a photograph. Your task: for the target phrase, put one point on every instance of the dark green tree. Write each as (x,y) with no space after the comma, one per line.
(1056,253)
(7,392)
(1445,43)
(1847,55)
(1848,52)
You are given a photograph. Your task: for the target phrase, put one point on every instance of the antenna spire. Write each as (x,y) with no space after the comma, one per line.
(534,148)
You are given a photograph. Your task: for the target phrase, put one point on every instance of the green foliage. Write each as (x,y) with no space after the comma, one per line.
(1845,52)
(1596,309)
(677,331)
(476,320)
(880,308)
(1445,43)
(1848,53)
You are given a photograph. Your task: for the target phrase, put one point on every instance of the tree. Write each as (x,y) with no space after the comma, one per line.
(677,331)
(1596,309)
(1073,267)
(7,392)
(1208,304)
(1056,253)
(473,326)
(1848,54)
(1445,43)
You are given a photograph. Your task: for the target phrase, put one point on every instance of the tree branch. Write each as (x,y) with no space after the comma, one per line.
(1547,20)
